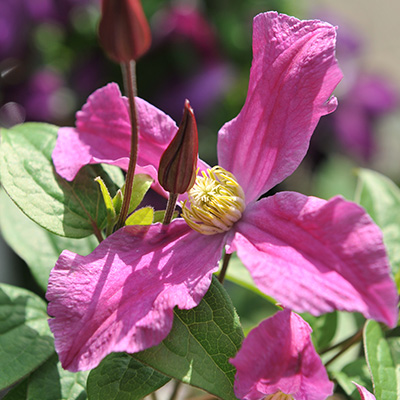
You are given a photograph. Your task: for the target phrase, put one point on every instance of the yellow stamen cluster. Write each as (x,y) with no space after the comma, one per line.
(216,202)
(279,396)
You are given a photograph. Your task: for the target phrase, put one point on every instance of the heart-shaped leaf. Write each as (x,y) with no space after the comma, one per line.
(73,209)
(25,338)
(200,344)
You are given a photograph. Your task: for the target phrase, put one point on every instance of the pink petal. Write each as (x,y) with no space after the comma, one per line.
(315,255)
(278,355)
(103,135)
(364,393)
(293,75)
(121,296)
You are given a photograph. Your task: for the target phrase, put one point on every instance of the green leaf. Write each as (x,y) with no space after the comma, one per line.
(324,328)
(117,201)
(143,216)
(49,382)
(141,185)
(121,377)
(356,371)
(65,208)
(18,392)
(381,199)
(200,344)
(394,345)
(111,214)
(26,238)
(25,338)
(384,372)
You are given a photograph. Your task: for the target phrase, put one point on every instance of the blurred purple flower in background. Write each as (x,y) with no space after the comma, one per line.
(363,97)
(13,28)
(39,95)
(37,65)
(367,99)
(208,77)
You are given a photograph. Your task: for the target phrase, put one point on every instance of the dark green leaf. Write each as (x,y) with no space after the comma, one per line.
(51,382)
(324,328)
(25,338)
(201,342)
(38,247)
(120,377)
(384,372)
(65,208)
(18,392)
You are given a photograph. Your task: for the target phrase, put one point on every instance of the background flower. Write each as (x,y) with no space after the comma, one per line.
(278,356)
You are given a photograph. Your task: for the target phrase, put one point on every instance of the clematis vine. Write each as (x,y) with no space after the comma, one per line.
(287,368)
(309,254)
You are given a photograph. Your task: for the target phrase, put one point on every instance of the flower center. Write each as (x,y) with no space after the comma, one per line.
(216,202)
(279,396)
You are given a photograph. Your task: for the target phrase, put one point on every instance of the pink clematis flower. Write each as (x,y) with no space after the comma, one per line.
(277,361)
(364,393)
(310,254)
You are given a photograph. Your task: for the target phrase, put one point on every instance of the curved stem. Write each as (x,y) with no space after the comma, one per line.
(225,263)
(129,73)
(97,233)
(342,343)
(346,344)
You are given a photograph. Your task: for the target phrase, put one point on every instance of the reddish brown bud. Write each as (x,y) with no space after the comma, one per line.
(178,164)
(124,31)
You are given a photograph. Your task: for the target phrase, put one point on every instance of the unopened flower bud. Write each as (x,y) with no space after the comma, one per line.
(178,164)
(124,31)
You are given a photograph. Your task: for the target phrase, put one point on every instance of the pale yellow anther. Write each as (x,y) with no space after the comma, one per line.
(279,396)
(216,202)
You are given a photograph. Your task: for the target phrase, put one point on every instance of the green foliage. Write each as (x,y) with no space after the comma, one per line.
(108,202)
(121,377)
(385,373)
(143,216)
(356,371)
(324,328)
(141,185)
(25,338)
(38,247)
(70,209)
(49,382)
(200,344)
(381,199)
